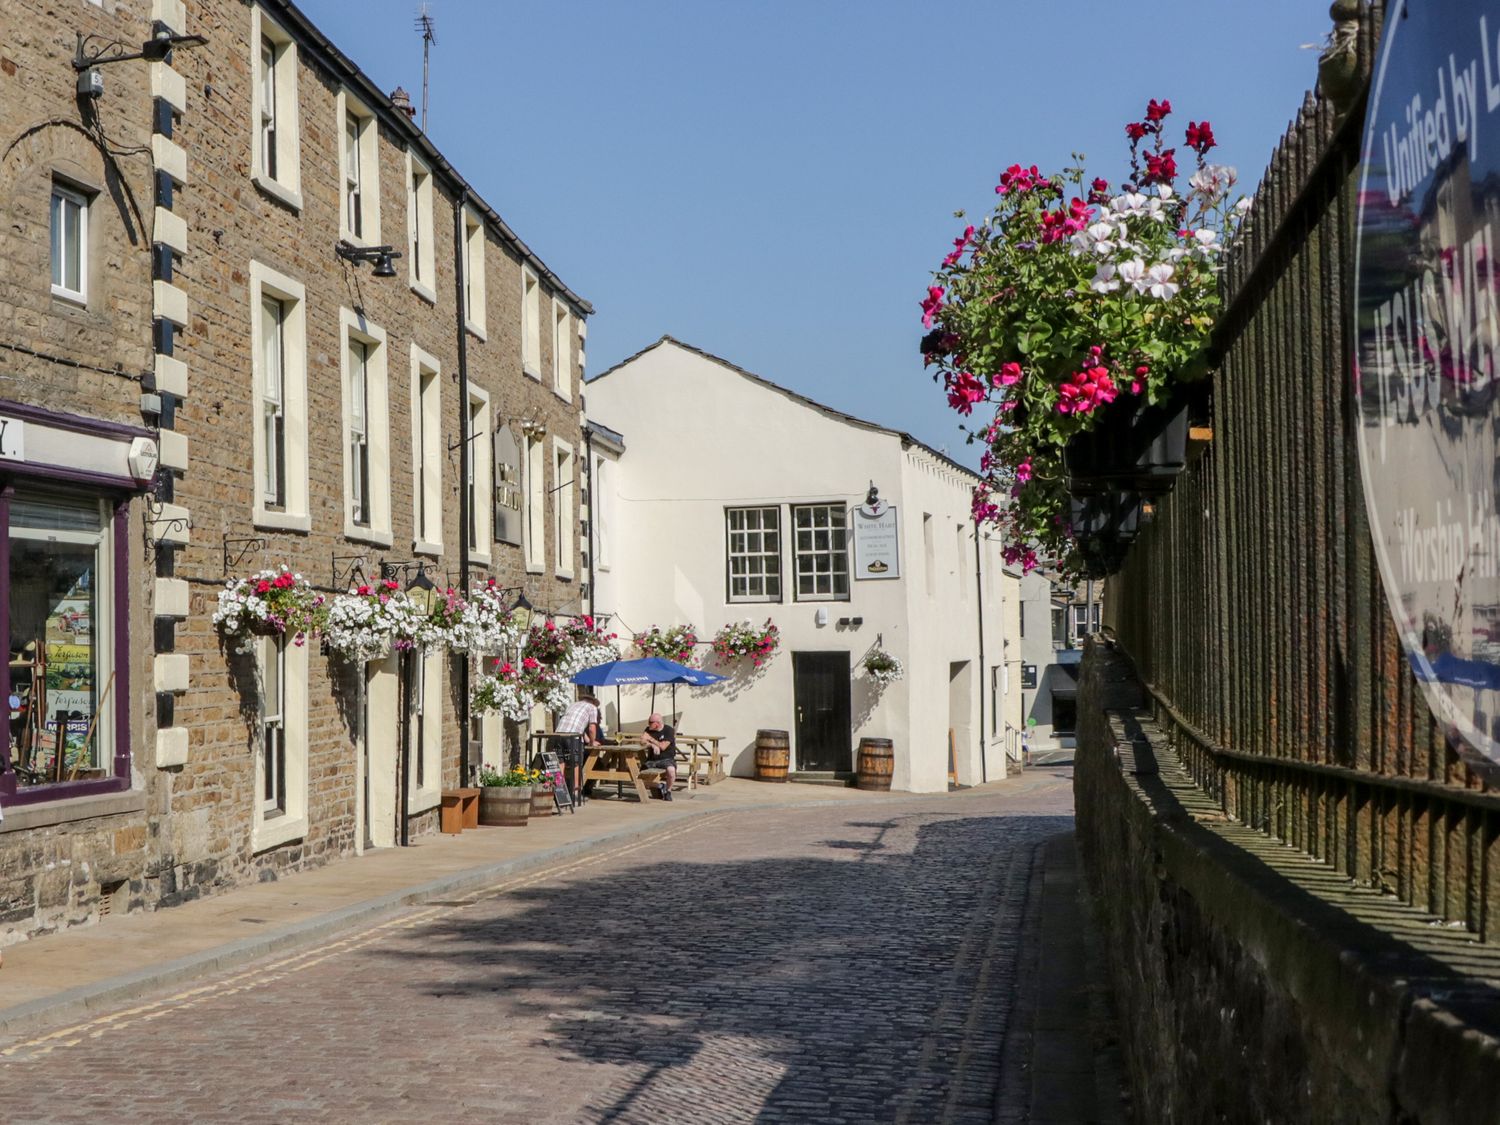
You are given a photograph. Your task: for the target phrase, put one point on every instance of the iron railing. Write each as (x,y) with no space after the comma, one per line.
(1253,607)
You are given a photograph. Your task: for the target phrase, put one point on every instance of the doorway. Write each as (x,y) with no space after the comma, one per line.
(379,751)
(961,739)
(820,691)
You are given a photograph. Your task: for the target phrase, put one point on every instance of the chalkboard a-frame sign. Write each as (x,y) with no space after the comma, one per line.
(549,763)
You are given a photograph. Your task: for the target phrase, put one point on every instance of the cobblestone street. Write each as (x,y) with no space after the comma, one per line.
(821,964)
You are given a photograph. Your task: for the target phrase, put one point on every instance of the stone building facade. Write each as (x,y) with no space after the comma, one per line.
(306,411)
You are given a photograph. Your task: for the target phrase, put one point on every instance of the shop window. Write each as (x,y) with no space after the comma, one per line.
(1064,715)
(754,554)
(61,615)
(821,552)
(70,240)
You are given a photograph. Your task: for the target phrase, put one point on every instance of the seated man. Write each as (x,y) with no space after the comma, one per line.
(660,742)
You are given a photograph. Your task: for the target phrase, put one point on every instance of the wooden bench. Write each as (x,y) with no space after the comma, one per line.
(460,810)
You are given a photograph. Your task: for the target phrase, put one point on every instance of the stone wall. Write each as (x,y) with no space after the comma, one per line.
(1255,984)
(185,827)
(62,868)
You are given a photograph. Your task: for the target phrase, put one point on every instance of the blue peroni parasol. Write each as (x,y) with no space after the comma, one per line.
(651,670)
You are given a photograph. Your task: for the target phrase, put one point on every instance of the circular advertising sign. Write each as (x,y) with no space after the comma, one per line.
(1427,346)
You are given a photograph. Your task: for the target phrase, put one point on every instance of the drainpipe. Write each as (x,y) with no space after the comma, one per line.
(984,774)
(588,476)
(465,458)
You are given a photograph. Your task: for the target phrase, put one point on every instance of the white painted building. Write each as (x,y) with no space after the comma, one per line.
(721,496)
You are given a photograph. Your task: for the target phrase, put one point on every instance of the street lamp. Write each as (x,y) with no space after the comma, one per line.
(380,255)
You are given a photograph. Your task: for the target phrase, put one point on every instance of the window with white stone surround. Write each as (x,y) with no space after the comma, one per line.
(275,148)
(279,397)
(367,431)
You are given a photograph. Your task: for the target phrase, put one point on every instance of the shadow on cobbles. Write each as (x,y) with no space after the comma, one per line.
(823,986)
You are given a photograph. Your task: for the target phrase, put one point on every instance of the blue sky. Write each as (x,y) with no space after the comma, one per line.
(774,180)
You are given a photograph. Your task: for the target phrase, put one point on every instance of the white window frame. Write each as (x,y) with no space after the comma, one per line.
(64,196)
(266,283)
(354,328)
(473,259)
(359,171)
(730,531)
(535,535)
(420,253)
(427,454)
(840,528)
(562,349)
(427,718)
(531,325)
(282,177)
(481,477)
(270,828)
(602,505)
(564,512)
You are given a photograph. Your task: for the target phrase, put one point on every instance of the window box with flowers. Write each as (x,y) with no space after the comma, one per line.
(675,644)
(741,639)
(1077,316)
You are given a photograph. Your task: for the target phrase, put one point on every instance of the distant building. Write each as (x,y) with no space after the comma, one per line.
(720,497)
(1052,648)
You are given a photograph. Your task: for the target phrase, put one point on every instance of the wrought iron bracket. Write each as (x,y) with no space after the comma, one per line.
(405,570)
(350,575)
(155,522)
(237,550)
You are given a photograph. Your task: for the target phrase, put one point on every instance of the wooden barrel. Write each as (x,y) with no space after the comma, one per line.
(507,806)
(877,762)
(542,803)
(773,755)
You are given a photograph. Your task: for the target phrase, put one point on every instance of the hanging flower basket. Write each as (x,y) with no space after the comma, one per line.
(675,643)
(1118,514)
(269,603)
(882,667)
(505,692)
(1074,314)
(489,626)
(361,624)
(741,639)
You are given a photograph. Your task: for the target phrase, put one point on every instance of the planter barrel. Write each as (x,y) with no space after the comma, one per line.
(505,806)
(1140,450)
(542,803)
(773,755)
(876,764)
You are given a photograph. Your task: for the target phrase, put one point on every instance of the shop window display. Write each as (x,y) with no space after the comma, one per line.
(61,674)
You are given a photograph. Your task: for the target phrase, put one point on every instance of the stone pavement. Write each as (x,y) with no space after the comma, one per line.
(839,957)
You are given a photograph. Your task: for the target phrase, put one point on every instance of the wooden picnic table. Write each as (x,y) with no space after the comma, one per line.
(616,763)
(700,751)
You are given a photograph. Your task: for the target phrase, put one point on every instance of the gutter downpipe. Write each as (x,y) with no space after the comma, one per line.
(465,468)
(588,476)
(984,773)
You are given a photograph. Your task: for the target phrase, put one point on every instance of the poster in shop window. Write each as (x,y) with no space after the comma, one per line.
(877,542)
(1427,348)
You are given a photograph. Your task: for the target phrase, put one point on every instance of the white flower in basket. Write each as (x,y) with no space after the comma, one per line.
(883,668)
(269,603)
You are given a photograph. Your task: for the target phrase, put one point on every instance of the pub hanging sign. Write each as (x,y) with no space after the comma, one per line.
(1427,347)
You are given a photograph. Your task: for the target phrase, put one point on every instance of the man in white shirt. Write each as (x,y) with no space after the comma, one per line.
(582,721)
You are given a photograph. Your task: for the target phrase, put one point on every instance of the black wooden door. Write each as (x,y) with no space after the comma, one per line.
(820,688)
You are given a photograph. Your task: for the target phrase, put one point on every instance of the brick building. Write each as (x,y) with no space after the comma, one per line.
(333,415)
